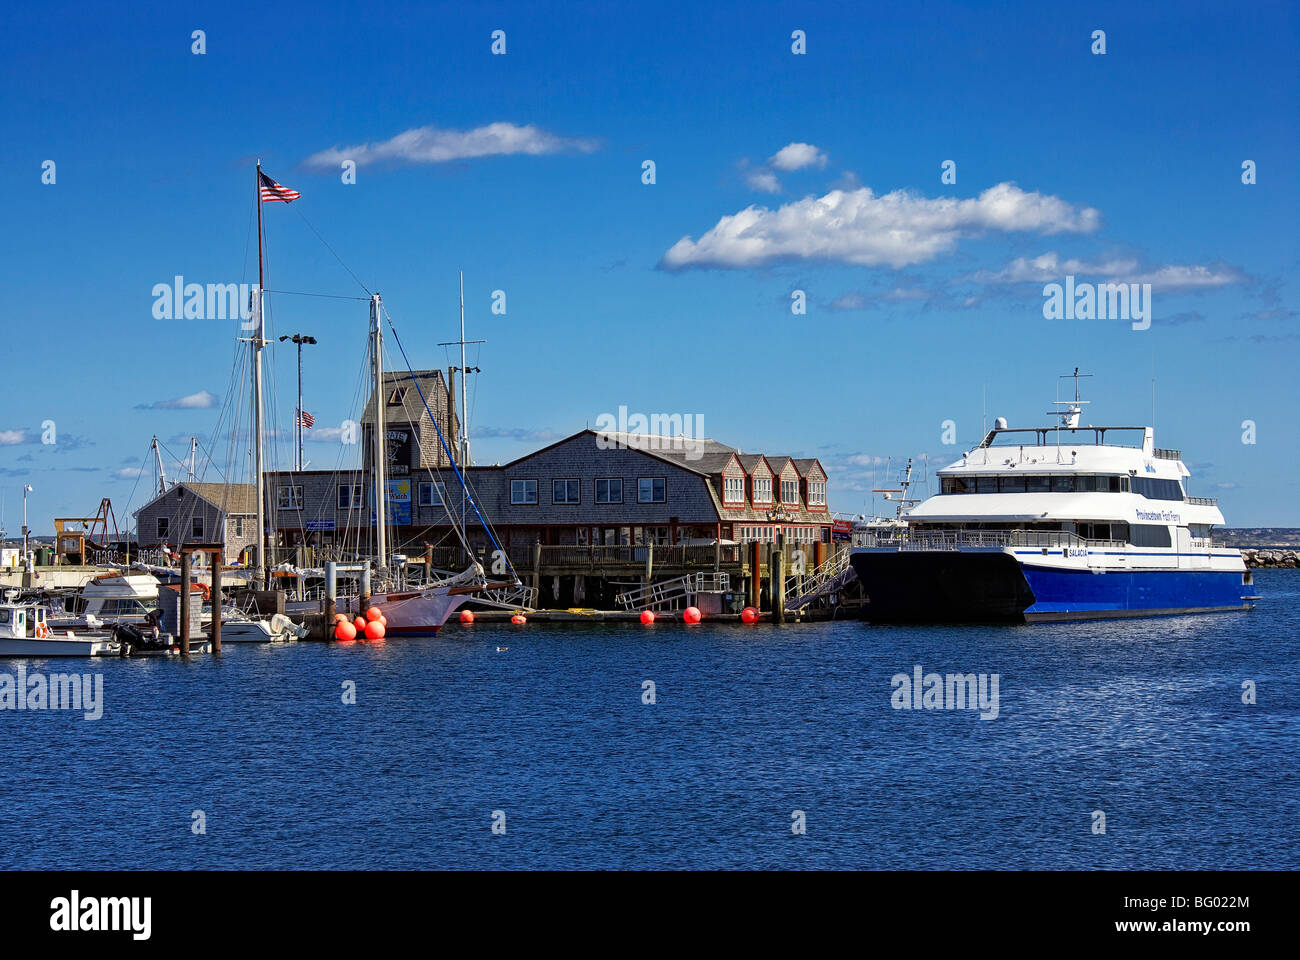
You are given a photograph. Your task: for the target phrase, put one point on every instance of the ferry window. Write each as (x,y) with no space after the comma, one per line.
(609,489)
(433,493)
(1011,484)
(1123,484)
(1148,535)
(162,528)
(566,491)
(4,616)
(1062,484)
(523,492)
(1038,484)
(986,484)
(1085,484)
(956,485)
(651,490)
(1111,484)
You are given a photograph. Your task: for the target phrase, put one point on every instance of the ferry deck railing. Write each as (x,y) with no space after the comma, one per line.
(955,539)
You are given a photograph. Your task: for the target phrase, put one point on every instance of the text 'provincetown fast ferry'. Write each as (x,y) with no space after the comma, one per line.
(1066,522)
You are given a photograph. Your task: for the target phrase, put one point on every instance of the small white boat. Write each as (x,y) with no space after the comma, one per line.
(109,599)
(239,627)
(25,632)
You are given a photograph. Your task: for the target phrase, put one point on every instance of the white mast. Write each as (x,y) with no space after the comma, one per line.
(256,343)
(162,474)
(380,445)
(194,451)
(464,386)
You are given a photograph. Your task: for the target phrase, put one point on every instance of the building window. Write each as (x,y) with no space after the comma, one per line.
(397,397)
(239,526)
(816,493)
(162,528)
(523,492)
(351,496)
(733,490)
(196,528)
(566,491)
(790,491)
(289,497)
(433,493)
(651,490)
(609,489)
(762,489)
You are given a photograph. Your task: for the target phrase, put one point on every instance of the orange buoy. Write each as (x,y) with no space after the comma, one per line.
(339,617)
(375,630)
(374,613)
(383,619)
(360,624)
(691,615)
(467,616)
(344,631)
(647,616)
(518,619)
(749,615)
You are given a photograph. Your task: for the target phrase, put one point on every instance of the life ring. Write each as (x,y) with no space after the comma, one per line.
(42,631)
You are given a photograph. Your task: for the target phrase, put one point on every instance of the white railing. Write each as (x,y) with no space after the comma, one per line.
(956,539)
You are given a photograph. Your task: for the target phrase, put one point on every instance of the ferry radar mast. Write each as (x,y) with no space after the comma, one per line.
(1073,408)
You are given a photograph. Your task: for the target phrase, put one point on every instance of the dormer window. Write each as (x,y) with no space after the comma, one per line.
(790,491)
(733,490)
(762,489)
(397,397)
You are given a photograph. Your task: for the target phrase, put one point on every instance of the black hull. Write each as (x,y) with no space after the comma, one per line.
(942,587)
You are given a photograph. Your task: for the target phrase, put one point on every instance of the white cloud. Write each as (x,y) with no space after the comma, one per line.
(12,438)
(434,145)
(203,400)
(763,179)
(796,156)
(1051,267)
(860,228)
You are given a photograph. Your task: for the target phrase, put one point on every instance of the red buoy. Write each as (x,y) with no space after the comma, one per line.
(374,613)
(691,615)
(340,616)
(749,615)
(344,631)
(647,616)
(375,630)
(518,619)
(467,616)
(360,624)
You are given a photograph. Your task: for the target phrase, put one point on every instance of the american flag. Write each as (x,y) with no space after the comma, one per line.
(306,419)
(274,191)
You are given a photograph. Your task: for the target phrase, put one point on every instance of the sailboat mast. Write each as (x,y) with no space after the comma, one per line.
(256,343)
(380,452)
(464,401)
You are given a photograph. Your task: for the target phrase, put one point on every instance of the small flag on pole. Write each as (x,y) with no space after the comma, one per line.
(306,419)
(273,191)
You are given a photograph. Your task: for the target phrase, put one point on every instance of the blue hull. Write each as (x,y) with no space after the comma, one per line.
(1070,595)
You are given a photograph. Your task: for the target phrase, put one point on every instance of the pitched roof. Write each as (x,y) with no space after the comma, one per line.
(411,407)
(751,460)
(805,464)
(230,497)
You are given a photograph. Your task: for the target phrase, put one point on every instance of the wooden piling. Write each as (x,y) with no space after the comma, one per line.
(185,604)
(216,601)
(777,583)
(755,575)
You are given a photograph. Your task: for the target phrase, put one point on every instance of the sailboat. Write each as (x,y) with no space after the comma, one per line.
(407,611)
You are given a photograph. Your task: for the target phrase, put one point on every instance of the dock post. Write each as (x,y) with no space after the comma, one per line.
(649,563)
(331,595)
(365,589)
(185,604)
(537,567)
(777,581)
(755,574)
(216,600)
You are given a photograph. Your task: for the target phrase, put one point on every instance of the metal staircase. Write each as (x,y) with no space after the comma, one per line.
(834,572)
(672,594)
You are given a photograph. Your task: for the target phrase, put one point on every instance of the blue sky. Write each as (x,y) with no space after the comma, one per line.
(922,296)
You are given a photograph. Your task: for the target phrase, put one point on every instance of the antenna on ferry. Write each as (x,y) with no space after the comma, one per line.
(1073,408)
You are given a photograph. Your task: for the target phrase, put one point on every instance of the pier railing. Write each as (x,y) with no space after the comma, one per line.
(594,556)
(1204,501)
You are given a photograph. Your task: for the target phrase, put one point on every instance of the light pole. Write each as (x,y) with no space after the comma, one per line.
(299,339)
(27,488)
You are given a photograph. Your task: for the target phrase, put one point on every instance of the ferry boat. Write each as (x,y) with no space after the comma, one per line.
(1063,522)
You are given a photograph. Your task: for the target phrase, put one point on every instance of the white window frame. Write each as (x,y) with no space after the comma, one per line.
(790,485)
(438,487)
(762,489)
(356,496)
(577,484)
(607,481)
(294,499)
(524,502)
(733,489)
(816,493)
(651,480)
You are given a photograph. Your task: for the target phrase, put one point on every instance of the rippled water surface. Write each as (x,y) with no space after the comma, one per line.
(1143,720)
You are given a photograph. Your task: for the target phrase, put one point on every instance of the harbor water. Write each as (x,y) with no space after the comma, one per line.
(254,760)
